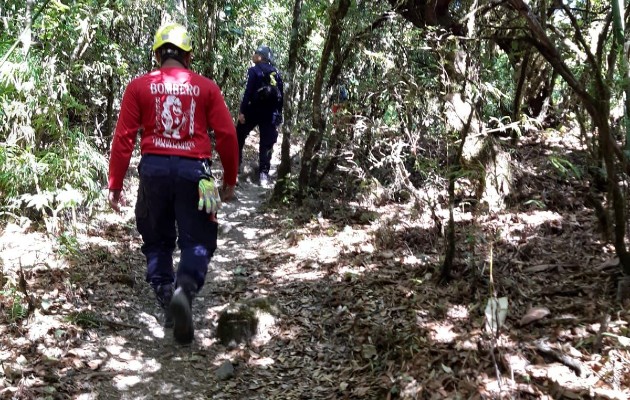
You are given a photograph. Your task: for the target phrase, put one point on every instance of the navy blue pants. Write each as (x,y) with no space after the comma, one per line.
(166,215)
(268,137)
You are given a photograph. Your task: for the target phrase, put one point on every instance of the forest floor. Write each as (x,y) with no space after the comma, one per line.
(361,312)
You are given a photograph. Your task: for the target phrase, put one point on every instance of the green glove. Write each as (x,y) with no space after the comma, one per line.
(208,196)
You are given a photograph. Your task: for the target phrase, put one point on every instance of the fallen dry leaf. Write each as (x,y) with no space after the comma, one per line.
(534,314)
(353,323)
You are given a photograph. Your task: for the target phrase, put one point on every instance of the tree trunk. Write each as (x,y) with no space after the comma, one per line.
(618,203)
(622,49)
(534,80)
(459,114)
(205,14)
(538,86)
(449,254)
(428,12)
(27,34)
(316,134)
(521,72)
(109,111)
(478,153)
(284,169)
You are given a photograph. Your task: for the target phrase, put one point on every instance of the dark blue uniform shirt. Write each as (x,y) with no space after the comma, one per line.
(255,80)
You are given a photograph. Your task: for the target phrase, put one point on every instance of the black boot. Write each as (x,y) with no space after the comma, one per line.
(181,310)
(164,294)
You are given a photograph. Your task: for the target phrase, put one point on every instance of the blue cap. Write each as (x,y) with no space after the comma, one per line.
(265,53)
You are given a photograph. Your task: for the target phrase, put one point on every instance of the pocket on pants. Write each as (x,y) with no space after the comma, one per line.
(191,170)
(150,169)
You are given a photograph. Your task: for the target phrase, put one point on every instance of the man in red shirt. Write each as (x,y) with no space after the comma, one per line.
(177,198)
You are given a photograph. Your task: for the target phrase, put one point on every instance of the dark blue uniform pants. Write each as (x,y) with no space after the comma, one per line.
(166,214)
(268,137)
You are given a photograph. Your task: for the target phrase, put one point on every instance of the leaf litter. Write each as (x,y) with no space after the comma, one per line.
(362,315)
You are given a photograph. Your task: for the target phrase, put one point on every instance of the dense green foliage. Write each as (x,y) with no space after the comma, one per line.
(58,84)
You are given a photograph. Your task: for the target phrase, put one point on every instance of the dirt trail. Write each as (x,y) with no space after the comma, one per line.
(100,335)
(286,360)
(146,362)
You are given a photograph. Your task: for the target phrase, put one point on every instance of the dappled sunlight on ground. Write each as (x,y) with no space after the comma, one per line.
(441,332)
(253,233)
(360,312)
(155,330)
(21,246)
(458,311)
(357,318)
(314,252)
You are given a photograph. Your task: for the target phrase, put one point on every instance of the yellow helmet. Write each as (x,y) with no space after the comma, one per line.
(172,33)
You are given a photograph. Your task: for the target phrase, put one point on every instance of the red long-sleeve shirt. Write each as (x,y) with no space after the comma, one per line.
(174,107)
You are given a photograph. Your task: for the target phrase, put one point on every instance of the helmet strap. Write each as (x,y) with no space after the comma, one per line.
(172,52)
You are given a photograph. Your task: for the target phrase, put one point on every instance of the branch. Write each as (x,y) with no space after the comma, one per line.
(481,10)
(17,41)
(550,52)
(597,343)
(544,348)
(580,38)
(341,59)
(24,289)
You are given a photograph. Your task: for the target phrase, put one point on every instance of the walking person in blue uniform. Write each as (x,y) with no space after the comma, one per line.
(261,106)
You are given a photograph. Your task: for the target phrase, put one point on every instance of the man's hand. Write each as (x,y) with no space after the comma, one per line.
(241,118)
(208,196)
(227,192)
(116,199)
